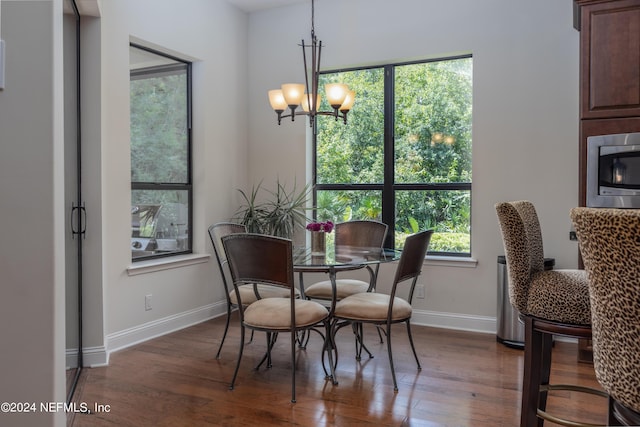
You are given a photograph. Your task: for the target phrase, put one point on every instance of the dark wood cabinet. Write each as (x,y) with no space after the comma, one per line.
(609,72)
(609,81)
(609,58)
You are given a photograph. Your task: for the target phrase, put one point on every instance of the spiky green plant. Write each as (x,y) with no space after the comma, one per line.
(280,214)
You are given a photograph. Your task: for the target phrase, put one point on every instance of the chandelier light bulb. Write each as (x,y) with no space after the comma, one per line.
(314,105)
(348,101)
(293,93)
(336,93)
(276,99)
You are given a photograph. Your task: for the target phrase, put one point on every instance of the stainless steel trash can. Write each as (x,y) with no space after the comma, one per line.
(509,327)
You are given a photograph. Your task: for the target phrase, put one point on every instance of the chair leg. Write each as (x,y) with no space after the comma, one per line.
(412,346)
(235,373)
(272,337)
(613,421)
(293,366)
(226,328)
(533,346)
(354,327)
(358,331)
(545,371)
(393,371)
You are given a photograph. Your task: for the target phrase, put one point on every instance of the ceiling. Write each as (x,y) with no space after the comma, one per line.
(255,5)
(92,7)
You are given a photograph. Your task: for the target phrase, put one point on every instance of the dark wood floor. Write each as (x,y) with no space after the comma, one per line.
(467,379)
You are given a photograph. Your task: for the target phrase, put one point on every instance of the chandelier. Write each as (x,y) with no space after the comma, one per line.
(293,95)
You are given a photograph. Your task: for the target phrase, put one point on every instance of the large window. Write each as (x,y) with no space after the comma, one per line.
(161,190)
(405,155)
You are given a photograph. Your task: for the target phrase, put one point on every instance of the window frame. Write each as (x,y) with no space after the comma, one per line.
(389,187)
(188,185)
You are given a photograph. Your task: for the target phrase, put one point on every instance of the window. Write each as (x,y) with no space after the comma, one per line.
(161,187)
(405,155)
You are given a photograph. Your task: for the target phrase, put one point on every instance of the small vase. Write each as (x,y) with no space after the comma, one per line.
(318,243)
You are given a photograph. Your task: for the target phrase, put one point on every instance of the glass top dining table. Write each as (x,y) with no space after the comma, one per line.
(340,258)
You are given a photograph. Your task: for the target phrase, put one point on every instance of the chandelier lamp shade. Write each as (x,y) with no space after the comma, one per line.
(306,96)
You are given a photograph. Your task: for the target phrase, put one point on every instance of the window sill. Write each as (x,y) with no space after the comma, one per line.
(160,264)
(451,261)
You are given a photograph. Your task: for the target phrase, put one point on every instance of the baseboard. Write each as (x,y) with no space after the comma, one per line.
(128,337)
(91,356)
(99,356)
(463,322)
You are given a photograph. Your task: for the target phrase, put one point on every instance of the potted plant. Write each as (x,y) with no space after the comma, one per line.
(280,213)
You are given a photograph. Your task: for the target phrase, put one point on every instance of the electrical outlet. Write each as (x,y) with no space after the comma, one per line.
(419,291)
(147,302)
(573,236)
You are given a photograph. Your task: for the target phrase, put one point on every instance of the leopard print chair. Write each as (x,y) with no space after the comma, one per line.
(610,246)
(550,302)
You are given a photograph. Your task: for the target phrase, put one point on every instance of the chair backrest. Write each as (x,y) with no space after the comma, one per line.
(216,233)
(411,260)
(362,233)
(522,239)
(609,242)
(258,258)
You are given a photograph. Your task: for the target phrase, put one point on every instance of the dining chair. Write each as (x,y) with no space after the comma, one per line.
(609,242)
(259,259)
(249,294)
(357,233)
(386,309)
(550,302)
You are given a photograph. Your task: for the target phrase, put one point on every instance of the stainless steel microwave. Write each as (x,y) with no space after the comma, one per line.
(613,171)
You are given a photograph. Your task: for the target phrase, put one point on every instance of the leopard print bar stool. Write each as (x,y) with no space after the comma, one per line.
(550,302)
(610,245)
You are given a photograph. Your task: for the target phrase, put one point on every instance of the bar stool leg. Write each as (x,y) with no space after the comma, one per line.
(531,375)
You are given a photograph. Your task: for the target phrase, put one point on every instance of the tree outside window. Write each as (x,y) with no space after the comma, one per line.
(405,155)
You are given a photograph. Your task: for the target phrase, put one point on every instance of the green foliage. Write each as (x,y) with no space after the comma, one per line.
(346,205)
(281,214)
(413,225)
(159,132)
(441,242)
(432,145)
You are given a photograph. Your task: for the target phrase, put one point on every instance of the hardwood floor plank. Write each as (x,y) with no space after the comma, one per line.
(467,379)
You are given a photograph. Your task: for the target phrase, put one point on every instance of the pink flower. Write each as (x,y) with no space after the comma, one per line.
(325,227)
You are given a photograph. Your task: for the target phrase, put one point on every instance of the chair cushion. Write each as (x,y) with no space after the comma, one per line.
(561,296)
(372,307)
(248,296)
(275,313)
(344,288)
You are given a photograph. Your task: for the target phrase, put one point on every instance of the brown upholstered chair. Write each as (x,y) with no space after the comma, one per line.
(249,294)
(259,259)
(382,309)
(610,246)
(550,302)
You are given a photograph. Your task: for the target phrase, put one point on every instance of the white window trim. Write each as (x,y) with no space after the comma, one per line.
(451,261)
(159,264)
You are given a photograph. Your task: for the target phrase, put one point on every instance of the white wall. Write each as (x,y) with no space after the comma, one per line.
(31,190)
(525,113)
(213,35)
